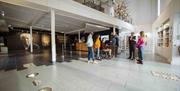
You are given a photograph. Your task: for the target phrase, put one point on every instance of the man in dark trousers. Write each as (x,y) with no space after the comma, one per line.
(132,46)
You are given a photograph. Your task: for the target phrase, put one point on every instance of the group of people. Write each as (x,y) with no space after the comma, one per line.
(111,48)
(137,48)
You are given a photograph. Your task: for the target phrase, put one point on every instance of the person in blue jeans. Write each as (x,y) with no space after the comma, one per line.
(90,48)
(140,46)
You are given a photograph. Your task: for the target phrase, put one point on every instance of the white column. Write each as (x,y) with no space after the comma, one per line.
(79,36)
(64,41)
(114,30)
(53,43)
(31,40)
(125,42)
(79,39)
(64,44)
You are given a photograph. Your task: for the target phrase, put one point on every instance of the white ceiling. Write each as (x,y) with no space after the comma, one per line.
(18,16)
(24,17)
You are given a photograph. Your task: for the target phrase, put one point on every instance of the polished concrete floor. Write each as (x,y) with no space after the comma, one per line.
(75,74)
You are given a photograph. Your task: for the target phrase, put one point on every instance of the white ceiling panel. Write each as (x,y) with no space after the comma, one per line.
(63,23)
(19,16)
(13,12)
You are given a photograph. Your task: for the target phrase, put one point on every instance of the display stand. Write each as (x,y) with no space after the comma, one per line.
(164,36)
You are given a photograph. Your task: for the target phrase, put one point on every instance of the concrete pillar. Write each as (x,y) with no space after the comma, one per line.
(125,39)
(79,39)
(64,44)
(31,40)
(64,41)
(53,41)
(114,30)
(79,36)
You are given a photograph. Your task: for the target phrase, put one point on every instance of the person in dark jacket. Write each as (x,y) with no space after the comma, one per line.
(114,45)
(132,46)
(117,43)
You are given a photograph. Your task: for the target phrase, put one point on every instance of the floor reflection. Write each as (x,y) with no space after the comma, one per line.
(16,59)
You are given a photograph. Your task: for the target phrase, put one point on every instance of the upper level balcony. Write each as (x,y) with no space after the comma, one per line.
(95,4)
(110,7)
(68,11)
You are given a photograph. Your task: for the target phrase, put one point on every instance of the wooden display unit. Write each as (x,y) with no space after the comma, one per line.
(160,38)
(164,37)
(167,37)
(81,47)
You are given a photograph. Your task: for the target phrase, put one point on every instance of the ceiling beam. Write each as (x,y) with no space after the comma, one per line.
(74,31)
(37,18)
(78,24)
(14,19)
(16,22)
(48,29)
(27,4)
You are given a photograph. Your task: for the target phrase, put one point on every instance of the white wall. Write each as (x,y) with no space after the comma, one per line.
(176,42)
(170,11)
(164,4)
(143,13)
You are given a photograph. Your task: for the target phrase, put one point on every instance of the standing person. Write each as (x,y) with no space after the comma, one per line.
(90,48)
(140,46)
(132,46)
(117,44)
(114,45)
(97,46)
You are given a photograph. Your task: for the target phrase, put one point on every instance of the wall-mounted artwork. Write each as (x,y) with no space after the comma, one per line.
(45,40)
(25,37)
(61,38)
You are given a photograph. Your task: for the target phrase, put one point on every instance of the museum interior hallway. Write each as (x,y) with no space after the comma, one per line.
(75,74)
(44,45)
